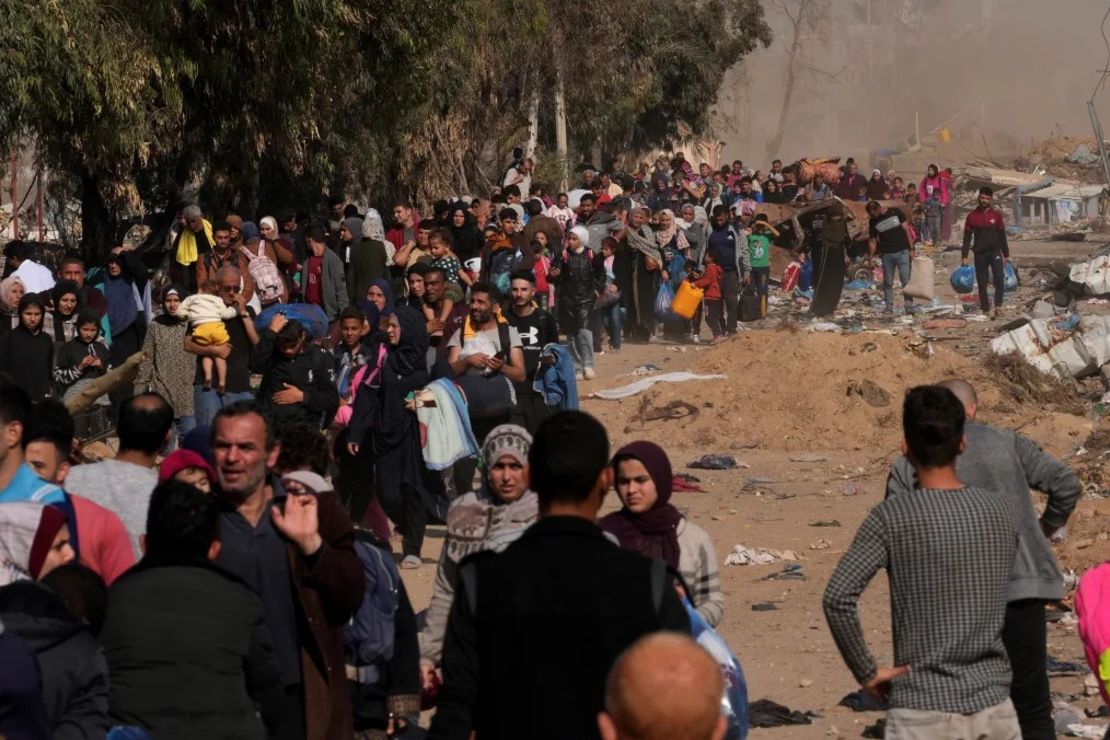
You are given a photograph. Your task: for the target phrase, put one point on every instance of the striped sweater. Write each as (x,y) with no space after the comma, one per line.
(697,564)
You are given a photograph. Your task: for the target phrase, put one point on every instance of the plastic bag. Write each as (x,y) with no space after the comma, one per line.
(663,300)
(805,282)
(1011,277)
(962,279)
(310,316)
(734,702)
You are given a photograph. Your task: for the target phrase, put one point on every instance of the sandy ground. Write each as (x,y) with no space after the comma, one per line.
(781,387)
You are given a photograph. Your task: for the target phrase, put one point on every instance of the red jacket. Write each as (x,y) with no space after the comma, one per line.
(396,234)
(710,282)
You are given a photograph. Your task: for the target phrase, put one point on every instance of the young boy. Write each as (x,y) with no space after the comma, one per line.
(206,314)
(948,551)
(607,307)
(709,280)
(298,377)
(759,252)
(82,358)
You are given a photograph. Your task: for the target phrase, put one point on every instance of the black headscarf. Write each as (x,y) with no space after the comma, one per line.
(410,354)
(61,288)
(467,238)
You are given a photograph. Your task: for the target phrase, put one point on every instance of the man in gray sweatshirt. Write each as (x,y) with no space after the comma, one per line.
(1004,461)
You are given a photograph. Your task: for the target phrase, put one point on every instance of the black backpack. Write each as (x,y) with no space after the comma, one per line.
(751,308)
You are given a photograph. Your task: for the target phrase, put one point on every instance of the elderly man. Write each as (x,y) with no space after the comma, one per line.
(237,352)
(194,240)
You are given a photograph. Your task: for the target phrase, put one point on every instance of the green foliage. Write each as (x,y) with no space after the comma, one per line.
(272,102)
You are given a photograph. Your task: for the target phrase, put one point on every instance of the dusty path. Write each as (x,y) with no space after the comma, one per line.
(797,479)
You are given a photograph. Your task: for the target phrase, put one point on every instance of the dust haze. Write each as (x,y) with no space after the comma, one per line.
(1007,71)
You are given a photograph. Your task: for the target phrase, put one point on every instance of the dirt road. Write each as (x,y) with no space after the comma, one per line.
(819,455)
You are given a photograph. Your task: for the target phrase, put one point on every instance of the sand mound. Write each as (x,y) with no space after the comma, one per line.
(794,391)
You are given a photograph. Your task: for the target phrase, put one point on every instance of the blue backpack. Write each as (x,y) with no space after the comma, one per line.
(368,639)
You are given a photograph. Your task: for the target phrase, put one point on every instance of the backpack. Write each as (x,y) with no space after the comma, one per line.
(267,278)
(368,638)
(751,306)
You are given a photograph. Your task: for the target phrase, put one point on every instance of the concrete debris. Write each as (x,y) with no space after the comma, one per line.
(742,555)
(1052,348)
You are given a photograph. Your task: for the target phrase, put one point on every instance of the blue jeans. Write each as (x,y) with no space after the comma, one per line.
(902,261)
(611,319)
(182,425)
(207,403)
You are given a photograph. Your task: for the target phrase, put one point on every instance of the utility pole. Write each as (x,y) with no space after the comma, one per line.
(38,204)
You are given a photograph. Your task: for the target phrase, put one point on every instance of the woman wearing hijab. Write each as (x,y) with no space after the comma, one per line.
(877,187)
(281,253)
(504,506)
(381,422)
(60,323)
(465,235)
(364,259)
(651,526)
(124,321)
(27,353)
(772,193)
(380,295)
(167,369)
(672,243)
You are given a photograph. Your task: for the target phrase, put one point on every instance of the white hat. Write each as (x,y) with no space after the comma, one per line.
(582,233)
(311,481)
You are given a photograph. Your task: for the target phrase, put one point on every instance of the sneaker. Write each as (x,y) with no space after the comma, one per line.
(411,562)
(994,313)
(589,373)
(578,375)
(694,339)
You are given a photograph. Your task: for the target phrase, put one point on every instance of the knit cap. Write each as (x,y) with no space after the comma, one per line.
(507,439)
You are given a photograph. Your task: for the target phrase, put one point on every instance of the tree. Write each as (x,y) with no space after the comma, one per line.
(806,18)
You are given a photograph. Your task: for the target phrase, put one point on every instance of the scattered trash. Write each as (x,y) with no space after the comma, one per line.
(1064,668)
(1094,732)
(715,462)
(675,348)
(688,477)
(1096,301)
(978,317)
(1063,714)
(765,606)
(821,544)
(876,731)
(858,285)
(825,523)
(667,412)
(1092,276)
(920,347)
(862,701)
(641,385)
(679,484)
(741,555)
(790,572)
(767,713)
(641,371)
(1090,685)
(935,324)
(852,488)
(808,457)
(1101,711)
(824,326)
(870,392)
(759,480)
(805,683)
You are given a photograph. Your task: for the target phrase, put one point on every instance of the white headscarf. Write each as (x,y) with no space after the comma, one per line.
(372,225)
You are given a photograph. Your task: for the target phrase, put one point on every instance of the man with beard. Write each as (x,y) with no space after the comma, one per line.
(485,346)
(297,553)
(435,286)
(599,223)
(537,329)
(73,268)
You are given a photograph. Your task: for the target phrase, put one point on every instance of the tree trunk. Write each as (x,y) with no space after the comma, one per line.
(775,141)
(98,228)
(533,124)
(561,127)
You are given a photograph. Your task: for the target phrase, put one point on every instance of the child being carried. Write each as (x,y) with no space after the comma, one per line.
(206,313)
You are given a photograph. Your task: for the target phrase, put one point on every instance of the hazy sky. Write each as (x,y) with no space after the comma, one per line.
(1021,68)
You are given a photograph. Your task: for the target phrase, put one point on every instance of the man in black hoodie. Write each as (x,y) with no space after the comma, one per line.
(298,377)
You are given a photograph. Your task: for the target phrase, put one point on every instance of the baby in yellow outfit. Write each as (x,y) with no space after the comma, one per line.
(206,313)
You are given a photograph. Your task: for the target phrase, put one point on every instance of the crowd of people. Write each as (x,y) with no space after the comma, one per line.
(312,390)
